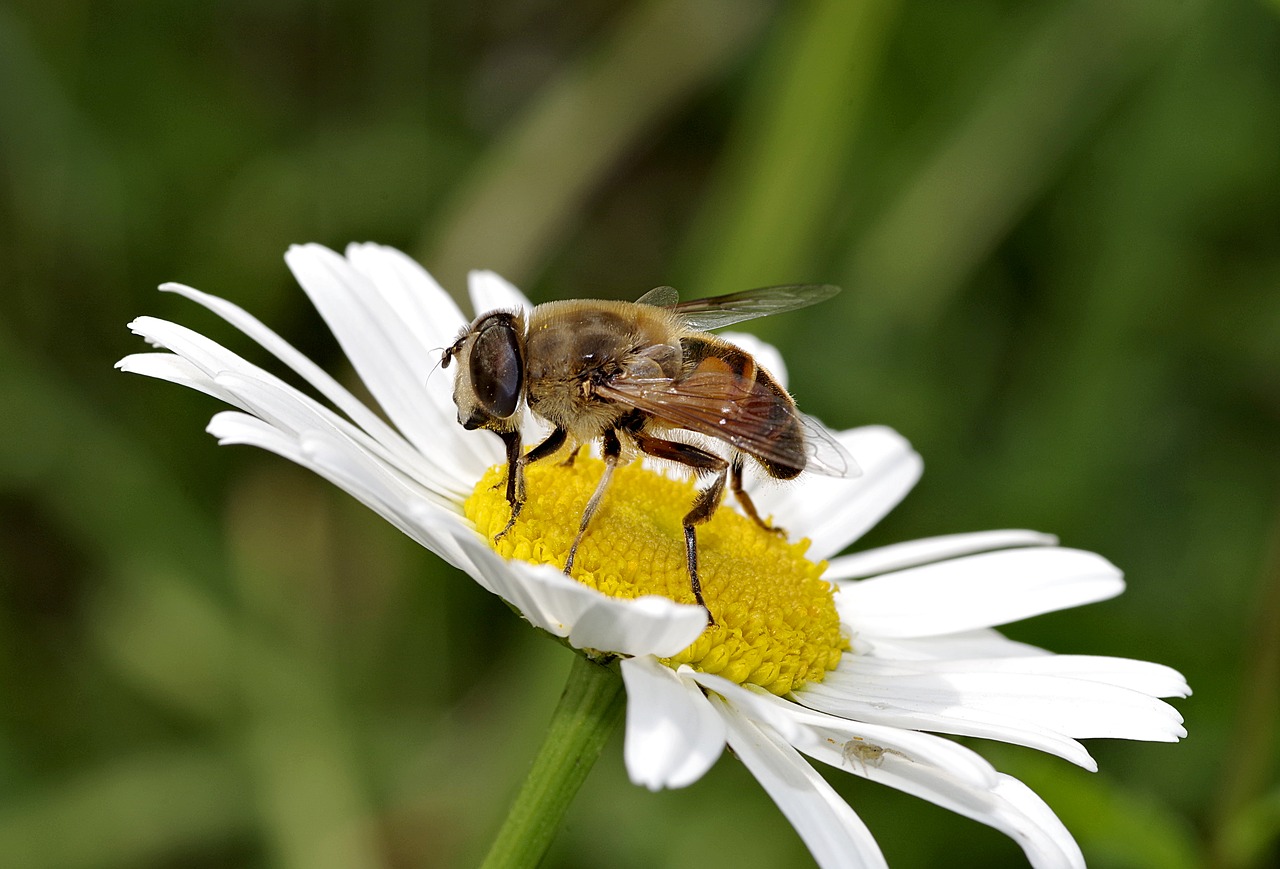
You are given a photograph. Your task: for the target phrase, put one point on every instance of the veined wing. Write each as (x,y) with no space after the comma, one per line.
(724,407)
(720,311)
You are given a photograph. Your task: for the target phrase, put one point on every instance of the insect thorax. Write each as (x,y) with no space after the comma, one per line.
(574,345)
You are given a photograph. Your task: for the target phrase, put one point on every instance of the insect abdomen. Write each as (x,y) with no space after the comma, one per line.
(771,410)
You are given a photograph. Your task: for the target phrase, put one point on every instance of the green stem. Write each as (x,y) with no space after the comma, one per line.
(589,711)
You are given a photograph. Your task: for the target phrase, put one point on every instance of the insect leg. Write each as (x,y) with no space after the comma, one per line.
(553,442)
(744,500)
(515,479)
(704,506)
(611,449)
(515,469)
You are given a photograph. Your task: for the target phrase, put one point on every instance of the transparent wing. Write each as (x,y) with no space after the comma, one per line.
(826,455)
(660,297)
(720,311)
(721,406)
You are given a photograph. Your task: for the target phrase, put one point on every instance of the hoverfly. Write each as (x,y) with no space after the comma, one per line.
(628,373)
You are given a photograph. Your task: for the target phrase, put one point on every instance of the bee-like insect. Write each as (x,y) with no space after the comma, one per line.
(630,373)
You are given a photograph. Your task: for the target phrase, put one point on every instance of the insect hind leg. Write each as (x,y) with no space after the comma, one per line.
(744,500)
(704,505)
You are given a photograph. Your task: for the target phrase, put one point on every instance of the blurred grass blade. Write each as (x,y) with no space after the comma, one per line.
(1251,835)
(165,805)
(998,159)
(60,176)
(310,791)
(765,219)
(301,735)
(1115,825)
(530,187)
(1248,817)
(87,472)
(172,640)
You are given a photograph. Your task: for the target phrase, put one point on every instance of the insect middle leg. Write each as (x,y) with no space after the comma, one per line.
(610,449)
(704,506)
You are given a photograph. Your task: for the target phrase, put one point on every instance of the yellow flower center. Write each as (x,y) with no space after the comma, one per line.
(776,622)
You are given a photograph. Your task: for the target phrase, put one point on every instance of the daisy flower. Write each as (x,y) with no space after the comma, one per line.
(856,660)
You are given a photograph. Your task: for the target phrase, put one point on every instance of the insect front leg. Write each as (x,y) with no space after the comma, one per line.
(515,479)
(516,463)
(611,449)
(704,505)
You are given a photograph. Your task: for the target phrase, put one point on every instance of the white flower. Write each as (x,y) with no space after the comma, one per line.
(919,616)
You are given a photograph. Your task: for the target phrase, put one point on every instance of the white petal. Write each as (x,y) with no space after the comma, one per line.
(834,834)
(834,511)
(334,450)
(1031,690)
(673,734)
(1032,824)
(1000,802)
(443,534)
(451,453)
(434,319)
(233,427)
(204,353)
(543,595)
(286,353)
(224,373)
(980,643)
(332,457)
(430,313)
(565,607)
(1154,680)
(491,292)
(649,625)
(926,766)
(916,707)
(992,699)
(976,591)
(758,706)
(391,361)
(827,736)
(167,366)
(295,413)
(931,549)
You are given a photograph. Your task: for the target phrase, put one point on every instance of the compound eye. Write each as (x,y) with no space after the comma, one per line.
(497,369)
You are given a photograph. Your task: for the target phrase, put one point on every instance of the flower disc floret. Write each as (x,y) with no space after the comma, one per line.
(776,623)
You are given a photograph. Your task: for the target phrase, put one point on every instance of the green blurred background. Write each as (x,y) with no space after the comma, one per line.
(1058,227)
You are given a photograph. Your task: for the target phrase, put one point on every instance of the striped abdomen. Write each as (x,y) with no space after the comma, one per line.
(759,417)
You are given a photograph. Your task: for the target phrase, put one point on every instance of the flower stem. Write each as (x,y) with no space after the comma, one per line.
(589,711)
